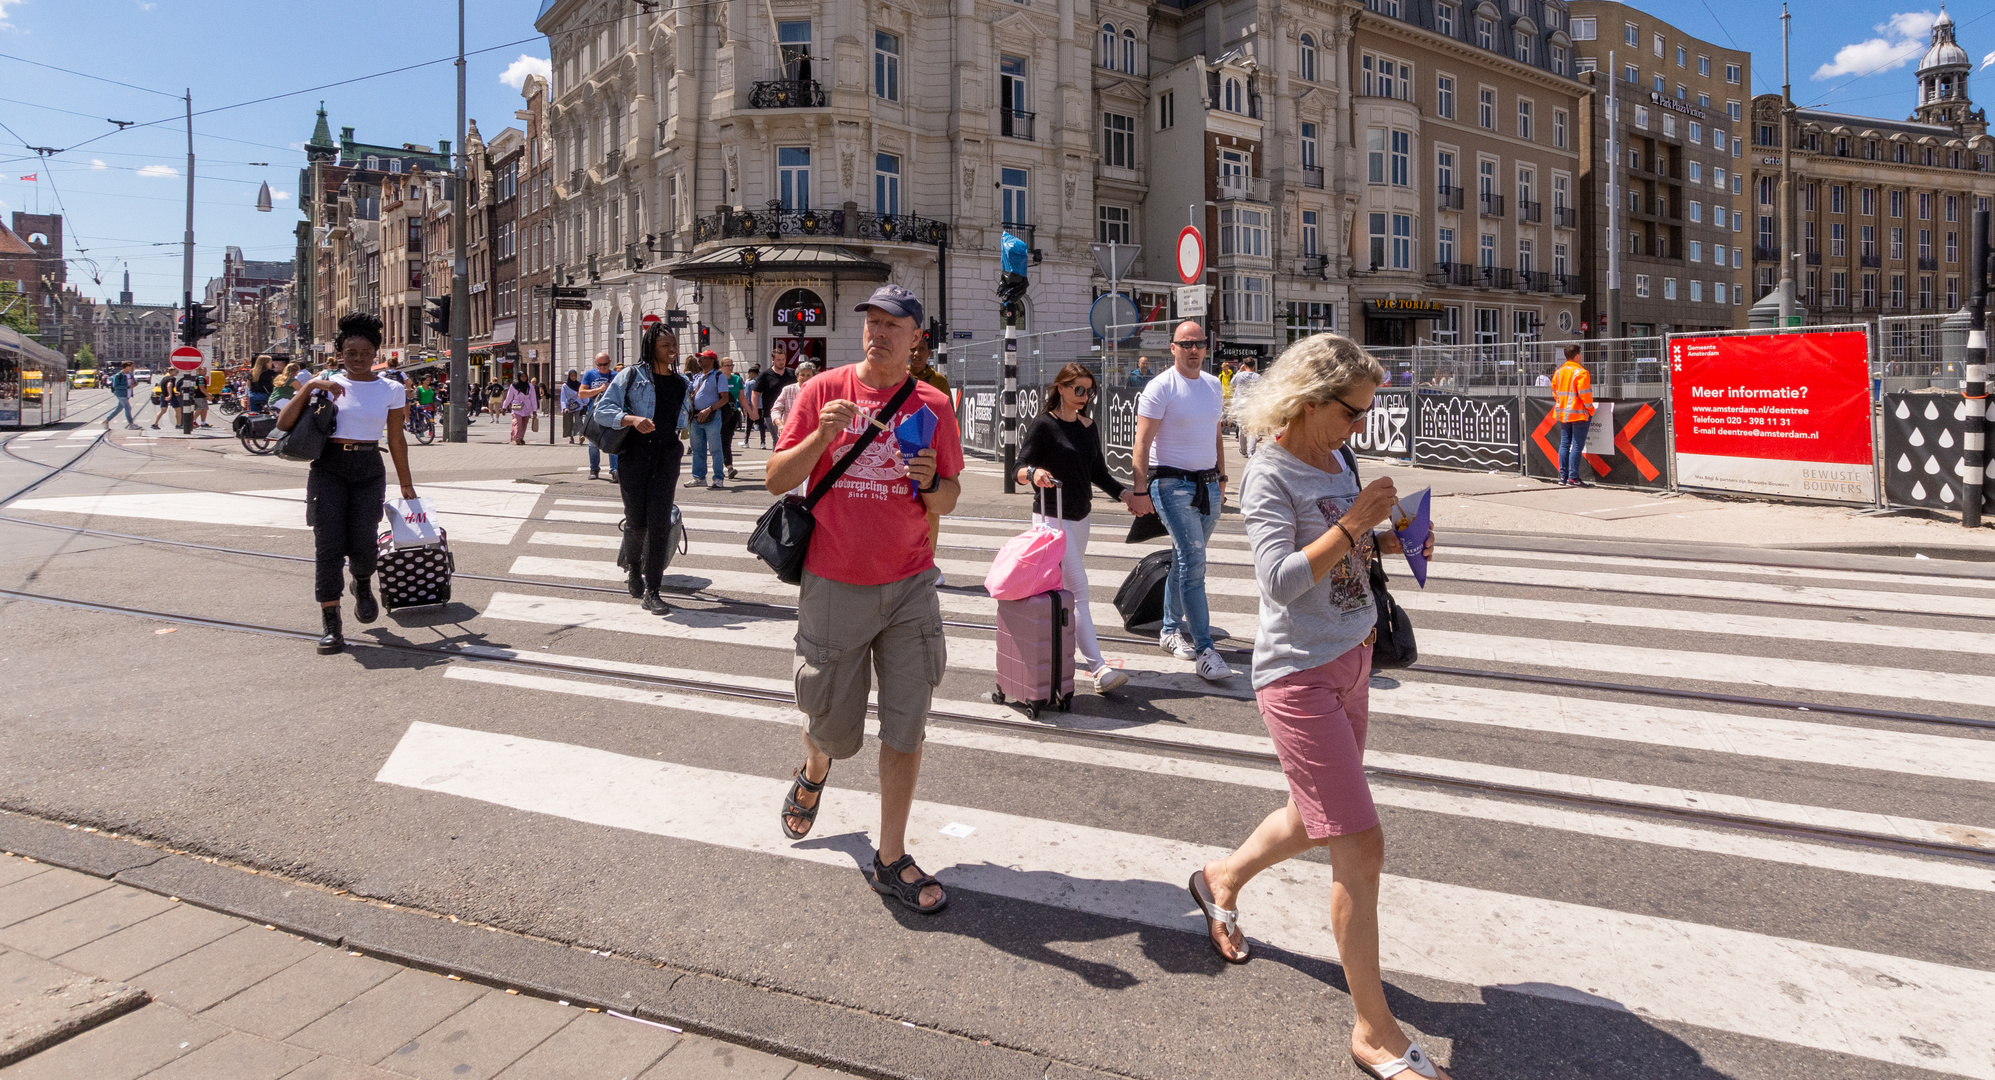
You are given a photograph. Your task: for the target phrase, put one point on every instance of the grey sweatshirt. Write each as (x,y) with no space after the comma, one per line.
(1304,623)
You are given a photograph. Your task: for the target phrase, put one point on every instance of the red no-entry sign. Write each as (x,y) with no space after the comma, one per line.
(186,358)
(1191,256)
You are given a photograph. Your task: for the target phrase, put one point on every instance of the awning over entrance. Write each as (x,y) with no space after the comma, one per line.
(1403,309)
(744,265)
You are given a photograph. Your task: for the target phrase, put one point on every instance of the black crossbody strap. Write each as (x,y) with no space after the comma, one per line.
(817,490)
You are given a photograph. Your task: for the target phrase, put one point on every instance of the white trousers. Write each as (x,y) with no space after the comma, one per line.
(1074,578)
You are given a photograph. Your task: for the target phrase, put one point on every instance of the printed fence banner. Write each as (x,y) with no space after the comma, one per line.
(1388,426)
(1115,415)
(1636,443)
(1465,431)
(1922,449)
(1774,414)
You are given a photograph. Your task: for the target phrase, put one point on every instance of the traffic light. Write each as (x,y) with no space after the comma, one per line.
(197,324)
(706,335)
(1011,281)
(436,312)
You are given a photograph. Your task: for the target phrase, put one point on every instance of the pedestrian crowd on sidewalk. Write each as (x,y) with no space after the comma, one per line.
(868,607)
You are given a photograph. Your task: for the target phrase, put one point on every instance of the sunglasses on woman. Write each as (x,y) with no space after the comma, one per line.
(1081,391)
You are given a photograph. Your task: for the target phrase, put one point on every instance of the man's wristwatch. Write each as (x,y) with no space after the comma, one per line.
(934,482)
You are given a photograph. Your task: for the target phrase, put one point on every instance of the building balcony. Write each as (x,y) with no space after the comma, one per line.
(1247,188)
(787,94)
(1530,212)
(613,163)
(904,229)
(1531,281)
(1927,262)
(1312,177)
(1488,205)
(1461,274)
(1814,258)
(1765,254)
(1312,265)
(1448,197)
(1870,261)
(1015,123)
(1565,217)
(575,181)
(1023,231)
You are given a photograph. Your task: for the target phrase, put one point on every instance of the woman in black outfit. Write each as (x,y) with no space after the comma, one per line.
(347,485)
(262,379)
(1062,447)
(646,398)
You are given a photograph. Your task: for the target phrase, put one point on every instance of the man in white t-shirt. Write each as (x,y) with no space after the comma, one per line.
(1178,459)
(1243,384)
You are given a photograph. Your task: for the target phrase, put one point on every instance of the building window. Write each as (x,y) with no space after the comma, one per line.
(1310,233)
(1837,203)
(1953,294)
(1015,186)
(1732,110)
(1925,245)
(1306,318)
(1444,246)
(1485,33)
(1694,251)
(1402,159)
(1306,58)
(1898,290)
(1897,243)
(1129,51)
(1630,34)
(1520,46)
(1657,42)
(793,176)
(1925,291)
(886,184)
(1308,144)
(1524,120)
(1697,214)
(1485,250)
(1925,206)
(1697,292)
(1866,200)
(1953,207)
(1870,290)
(1696,132)
(1866,241)
(1953,247)
(1897,204)
(1402,241)
(1243,232)
(1669,288)
(1558,54)
(1233,96)
(1444,96)
(1559,128)
(1486,108)
(1444,19)
(1109,40)
(1113,225)
(1167,110)
(886,66)
(793,39)
(1016,94)
(1118,141)
(1585,28)
(1377,234)
(1839,244)
(1375,155)
(1487,322)
(1527,256)
(1243,298)
(1631,74)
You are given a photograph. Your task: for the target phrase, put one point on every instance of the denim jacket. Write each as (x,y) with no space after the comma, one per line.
(632,391)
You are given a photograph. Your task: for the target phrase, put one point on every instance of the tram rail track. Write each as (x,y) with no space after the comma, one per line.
(1716,818)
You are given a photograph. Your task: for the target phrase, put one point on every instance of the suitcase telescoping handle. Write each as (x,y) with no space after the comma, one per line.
(1059,511)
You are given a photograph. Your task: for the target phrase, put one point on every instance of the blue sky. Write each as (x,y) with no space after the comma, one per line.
(125,206)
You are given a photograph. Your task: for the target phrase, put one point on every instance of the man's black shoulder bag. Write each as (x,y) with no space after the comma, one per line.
(782,536)
(1394,647)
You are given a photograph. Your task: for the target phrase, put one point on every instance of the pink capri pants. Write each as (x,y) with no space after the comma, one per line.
(1317,719)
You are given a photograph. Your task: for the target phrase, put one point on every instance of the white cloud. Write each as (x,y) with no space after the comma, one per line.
(96,164)
(1901,39)
(515,76)
(4,5)
(280,196)
(159,171)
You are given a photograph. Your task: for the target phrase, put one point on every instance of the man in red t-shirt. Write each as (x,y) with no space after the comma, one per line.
(868,599)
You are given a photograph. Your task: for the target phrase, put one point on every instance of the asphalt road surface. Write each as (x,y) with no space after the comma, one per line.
(1651,810)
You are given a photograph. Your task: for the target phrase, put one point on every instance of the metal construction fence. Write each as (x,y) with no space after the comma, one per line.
(1480,407)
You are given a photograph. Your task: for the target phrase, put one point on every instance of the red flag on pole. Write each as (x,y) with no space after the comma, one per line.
(30,178)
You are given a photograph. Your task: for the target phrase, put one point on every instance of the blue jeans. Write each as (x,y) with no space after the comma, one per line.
(708,442)
(1185,608)
(596,460)
(121,402)
(1572,443)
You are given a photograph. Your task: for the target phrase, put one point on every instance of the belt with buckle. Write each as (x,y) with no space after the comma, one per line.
(339,444)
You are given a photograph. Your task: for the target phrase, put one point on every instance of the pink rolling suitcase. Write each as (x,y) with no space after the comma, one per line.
(1035,652)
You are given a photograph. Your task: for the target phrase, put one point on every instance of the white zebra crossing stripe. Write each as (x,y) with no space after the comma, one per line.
(1638,830)
(1700,588)
(1849,1001)
(1911,752)
(1698,622)
(1753,570)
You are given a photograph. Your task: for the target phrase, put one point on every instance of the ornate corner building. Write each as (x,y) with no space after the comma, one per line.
(1884,206)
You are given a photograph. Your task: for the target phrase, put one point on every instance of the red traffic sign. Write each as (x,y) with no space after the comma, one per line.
(646,322)
(1191,256)
(186,358)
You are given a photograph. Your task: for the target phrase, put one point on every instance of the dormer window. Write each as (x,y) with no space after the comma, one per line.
(1233,95)
(373,163)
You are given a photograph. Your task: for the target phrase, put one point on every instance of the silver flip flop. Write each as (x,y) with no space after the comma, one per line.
(1414,1061)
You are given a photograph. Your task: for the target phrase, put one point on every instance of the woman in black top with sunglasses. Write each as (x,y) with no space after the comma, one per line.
(1063,447)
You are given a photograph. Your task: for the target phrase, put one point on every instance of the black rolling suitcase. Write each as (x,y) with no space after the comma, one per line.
(1141,597)
(414,576)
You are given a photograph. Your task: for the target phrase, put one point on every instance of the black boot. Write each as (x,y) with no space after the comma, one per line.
(365,608)
(636,582)
(655,603)
(335,640)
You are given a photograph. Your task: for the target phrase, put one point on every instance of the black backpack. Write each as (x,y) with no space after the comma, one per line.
(1141,597)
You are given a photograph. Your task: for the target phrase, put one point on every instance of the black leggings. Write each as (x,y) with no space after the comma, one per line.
(343,497)
(730,422)
(648,480)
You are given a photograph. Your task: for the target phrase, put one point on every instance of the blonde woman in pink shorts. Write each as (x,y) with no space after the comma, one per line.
(1311,528)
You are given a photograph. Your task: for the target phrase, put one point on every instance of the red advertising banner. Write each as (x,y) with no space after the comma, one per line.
(1774,414)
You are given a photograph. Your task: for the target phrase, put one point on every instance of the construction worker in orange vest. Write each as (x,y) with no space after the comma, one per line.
(1572,410)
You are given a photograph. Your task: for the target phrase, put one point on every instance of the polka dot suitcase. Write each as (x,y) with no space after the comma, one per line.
(413,577)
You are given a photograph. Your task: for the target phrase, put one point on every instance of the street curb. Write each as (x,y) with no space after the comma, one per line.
(814,1032)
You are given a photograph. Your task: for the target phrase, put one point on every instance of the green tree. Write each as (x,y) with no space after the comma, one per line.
(15,310)
(85,358)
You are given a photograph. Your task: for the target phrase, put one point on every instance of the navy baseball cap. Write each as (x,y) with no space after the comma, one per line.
(894,300)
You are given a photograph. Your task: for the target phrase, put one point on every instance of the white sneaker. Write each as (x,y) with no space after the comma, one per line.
(1107,678)
(717,485)
(1211,668)
(1175,643)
